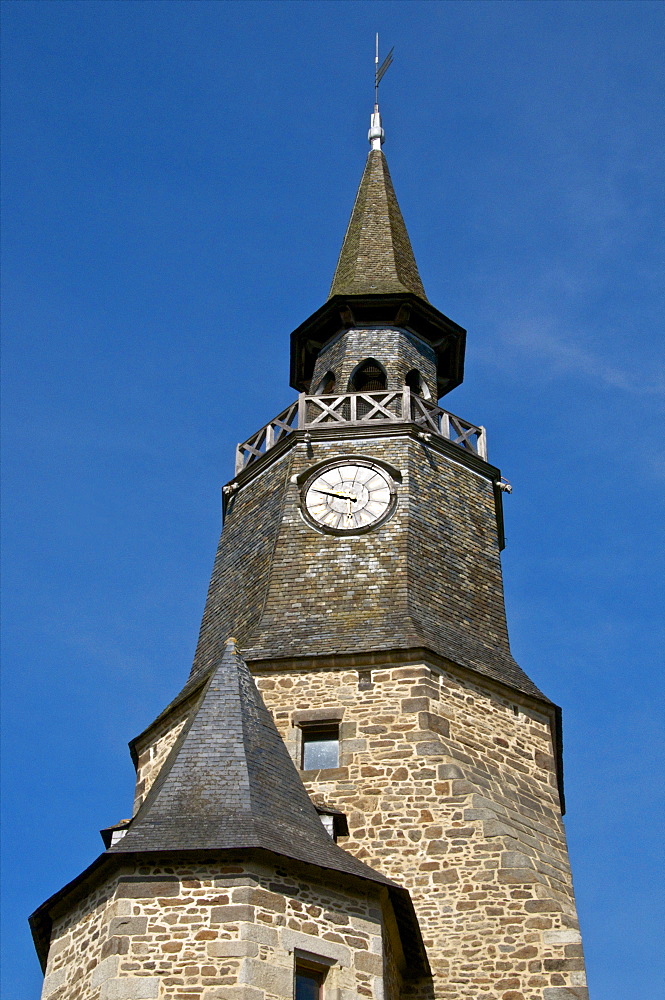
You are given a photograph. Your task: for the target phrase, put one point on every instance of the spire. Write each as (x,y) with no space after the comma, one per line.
(230,783)
(376,256)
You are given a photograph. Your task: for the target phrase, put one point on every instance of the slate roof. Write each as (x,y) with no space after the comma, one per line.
(376,256)
(230,783)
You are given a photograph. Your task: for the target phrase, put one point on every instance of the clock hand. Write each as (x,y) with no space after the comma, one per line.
(338,496)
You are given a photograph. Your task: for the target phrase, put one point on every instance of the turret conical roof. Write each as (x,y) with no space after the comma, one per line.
(376,256)
(230,783)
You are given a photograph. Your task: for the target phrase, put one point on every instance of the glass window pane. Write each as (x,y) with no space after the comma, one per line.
(329,824)
(307,985)
(320,752)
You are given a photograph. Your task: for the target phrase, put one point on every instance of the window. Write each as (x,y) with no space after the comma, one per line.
(320,746)
(333,820)
(309,981)
(328,822)
(309,974)
(416,384)
(368,377)
(326,385)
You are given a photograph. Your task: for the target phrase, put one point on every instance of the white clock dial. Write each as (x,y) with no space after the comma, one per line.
(349,497)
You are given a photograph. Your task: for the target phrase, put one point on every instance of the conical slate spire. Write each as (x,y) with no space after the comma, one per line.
(230,783)
(376,256)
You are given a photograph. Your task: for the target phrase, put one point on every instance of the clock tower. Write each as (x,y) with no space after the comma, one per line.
(357,791)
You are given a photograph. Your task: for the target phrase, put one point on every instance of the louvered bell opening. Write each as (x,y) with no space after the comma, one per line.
(369,378)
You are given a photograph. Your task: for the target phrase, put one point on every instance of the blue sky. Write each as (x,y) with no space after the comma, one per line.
(177,181)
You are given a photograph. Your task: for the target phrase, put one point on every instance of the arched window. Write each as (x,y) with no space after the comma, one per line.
(368,377)
(326,385)
(416,384)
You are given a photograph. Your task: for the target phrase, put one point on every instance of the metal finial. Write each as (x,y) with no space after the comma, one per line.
(376,135)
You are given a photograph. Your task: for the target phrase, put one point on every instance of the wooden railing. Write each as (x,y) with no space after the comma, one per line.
(360,409)
(263,440)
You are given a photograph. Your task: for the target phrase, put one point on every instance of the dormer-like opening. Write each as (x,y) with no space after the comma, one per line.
(326,385)
(333,821)
(416,384)
(368,376)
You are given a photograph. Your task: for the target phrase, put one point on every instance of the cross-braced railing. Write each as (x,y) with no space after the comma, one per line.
(362,408)
(267,437)
(352,408)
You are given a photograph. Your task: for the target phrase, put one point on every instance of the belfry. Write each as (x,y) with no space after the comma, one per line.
(358,792)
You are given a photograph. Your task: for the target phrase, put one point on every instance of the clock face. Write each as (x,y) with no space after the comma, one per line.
(349,497)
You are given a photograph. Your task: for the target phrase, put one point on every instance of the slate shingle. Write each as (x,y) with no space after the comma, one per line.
(230,783)
(376,256)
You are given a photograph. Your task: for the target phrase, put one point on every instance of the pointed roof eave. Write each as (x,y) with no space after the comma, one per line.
(376,255)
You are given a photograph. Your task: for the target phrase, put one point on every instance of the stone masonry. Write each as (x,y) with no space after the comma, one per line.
(398,351)
(453,882)
(450,789)
(219,931)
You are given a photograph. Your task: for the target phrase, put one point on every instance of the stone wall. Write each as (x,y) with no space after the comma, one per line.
(217,931)
(450,789)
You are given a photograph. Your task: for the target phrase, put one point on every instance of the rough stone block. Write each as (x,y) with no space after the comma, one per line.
(228,914)
(414,705)
(130,988)
(60,944)
(369,963)
(233,949)
(566,993)
(471,814)
(463,787)
(318,946)
(120,908)
(107,969)
(128,925)
(260,897)
(514,859)
(495,828)
(517,875)
(259,933)
(431,749)
(232,993)
(434,723)
(271,978)
(541,906)
(53,982)
(147,890)
(562,937)
(578,978)
(115,946)
(448,771)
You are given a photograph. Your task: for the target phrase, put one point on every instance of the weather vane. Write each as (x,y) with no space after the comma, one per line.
(380,71)
(376,135)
